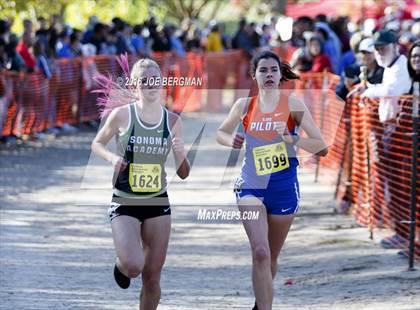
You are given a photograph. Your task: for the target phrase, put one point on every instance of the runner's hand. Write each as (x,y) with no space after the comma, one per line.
(118,163)
(178,145)
(238,141)
(285,135)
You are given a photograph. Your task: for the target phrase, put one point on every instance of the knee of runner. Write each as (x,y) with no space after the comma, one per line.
(152,280)
(261,253)
(134,269)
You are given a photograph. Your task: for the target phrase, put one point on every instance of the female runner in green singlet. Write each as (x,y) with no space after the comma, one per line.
(140,212)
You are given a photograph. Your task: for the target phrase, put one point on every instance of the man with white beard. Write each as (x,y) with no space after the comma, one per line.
(395,81)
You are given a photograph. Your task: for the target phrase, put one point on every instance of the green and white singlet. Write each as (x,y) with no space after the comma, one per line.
(145,148)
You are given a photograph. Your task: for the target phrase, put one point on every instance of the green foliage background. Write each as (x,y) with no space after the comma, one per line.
(77,12)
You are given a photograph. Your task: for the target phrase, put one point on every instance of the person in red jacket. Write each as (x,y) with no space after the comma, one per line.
(320,61)
(24,49)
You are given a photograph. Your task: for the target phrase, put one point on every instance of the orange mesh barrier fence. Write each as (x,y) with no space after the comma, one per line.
(68,90)
(11,120)
(316,90)
(377,171)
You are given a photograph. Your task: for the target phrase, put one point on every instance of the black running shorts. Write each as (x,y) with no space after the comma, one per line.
(139,208)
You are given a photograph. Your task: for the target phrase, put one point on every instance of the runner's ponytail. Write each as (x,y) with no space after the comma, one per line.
(113,92)
(120,91)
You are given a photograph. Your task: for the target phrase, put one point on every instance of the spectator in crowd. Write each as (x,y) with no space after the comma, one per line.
(413,65)
(108,45)
(194,40)
(339,26)
(4,31)
(349,57)
(351,75)
(87,35)
(161,39)
(374,72)
(265,36)
(63,49)
(241,29)
(152,26)
(300,26)
(415,29)
(42,34)
(321,18)
(396,80)
(301,60)
(117,24)
(75,44)
(308,57)
(175,41)
(43,66)
(242,39)
(4,39)
(15,60)
(320,61)
(331,44)
(3,55)
(41,59)
(24,48)
(225,37)
(186,24)
(214,41)
(138,41)
(123,33)
(273,20)
(27,26)
(54,30)
(98,37)
(254,35)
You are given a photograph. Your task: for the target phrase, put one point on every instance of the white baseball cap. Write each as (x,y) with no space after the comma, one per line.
(366,45)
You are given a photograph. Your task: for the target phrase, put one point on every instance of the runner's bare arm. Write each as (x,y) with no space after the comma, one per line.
(110,129)
(226,129)
(181,160)
(315,143)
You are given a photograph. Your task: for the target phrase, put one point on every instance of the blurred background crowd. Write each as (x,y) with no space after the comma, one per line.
(323,43)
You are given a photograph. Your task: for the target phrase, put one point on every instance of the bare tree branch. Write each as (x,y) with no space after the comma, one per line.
(182,5)
(196,12)
(172,9)
(190,8)
(215,9)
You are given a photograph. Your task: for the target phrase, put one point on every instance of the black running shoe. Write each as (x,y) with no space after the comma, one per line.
(122,280)
(255,306)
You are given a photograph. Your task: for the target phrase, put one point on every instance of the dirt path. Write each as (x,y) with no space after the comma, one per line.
(56,250)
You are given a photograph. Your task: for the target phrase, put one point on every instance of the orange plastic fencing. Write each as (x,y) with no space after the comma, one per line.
(13,110)
(316,90)
(377,171)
